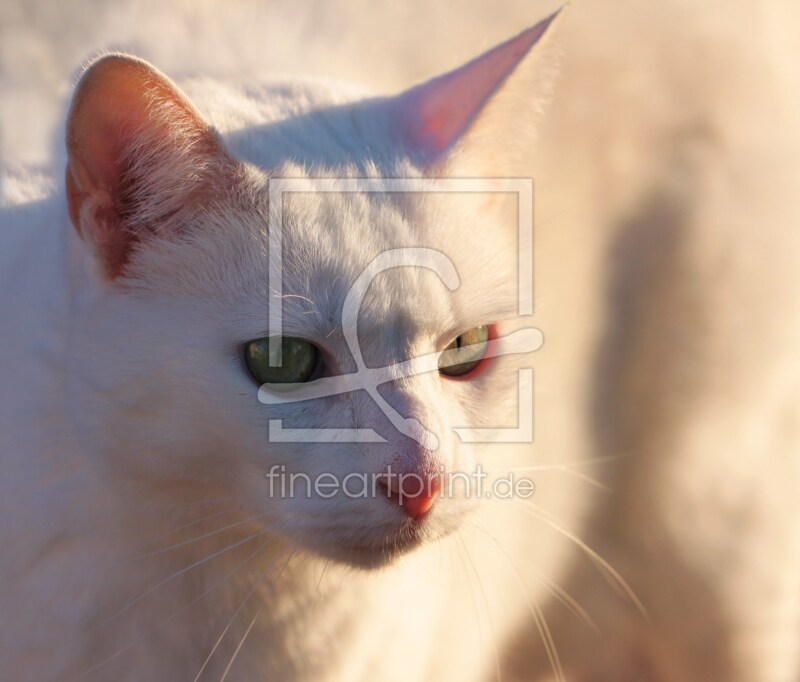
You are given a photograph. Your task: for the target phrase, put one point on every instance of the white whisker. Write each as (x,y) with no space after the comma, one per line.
(179,573)
(557,592)
(195,522)
(241,644)
(536,612)
(498,673)
(472,594)
(568,601)
(190,541)
(324,569)
(183,609)
(606,569)
(211,500)
(244,601)
(563,469)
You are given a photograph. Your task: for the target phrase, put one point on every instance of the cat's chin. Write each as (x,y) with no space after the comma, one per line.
(371,554)
(371,557)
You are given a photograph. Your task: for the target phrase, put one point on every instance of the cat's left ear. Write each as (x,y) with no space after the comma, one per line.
(472,121)
(141,158)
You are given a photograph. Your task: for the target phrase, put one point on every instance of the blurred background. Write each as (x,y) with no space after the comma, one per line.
(383,44)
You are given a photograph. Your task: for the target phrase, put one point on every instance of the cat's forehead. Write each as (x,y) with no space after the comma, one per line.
(406,256)
(462,271)
(366,248)
(329,219)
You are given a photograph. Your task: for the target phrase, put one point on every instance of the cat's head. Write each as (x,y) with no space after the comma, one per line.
(195,254)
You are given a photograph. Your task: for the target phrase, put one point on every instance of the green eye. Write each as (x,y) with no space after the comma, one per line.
(465,352)
(298,362)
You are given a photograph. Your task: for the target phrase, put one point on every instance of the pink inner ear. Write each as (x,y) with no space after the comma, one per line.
(140,155)
(435,114)
(114,101)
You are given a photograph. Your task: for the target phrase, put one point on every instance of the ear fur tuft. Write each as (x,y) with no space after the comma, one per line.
(140,156)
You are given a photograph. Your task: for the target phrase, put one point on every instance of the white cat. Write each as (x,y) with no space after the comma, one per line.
(142,537)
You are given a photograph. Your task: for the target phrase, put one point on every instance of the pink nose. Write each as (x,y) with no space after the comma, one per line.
(414,493)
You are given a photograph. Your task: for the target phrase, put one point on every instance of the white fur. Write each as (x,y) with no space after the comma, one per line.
(138,410)
(125,405)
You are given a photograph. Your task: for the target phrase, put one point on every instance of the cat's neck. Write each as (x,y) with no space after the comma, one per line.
(294,614)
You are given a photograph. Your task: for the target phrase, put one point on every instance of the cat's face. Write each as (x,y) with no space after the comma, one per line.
(171,339)
(188,403)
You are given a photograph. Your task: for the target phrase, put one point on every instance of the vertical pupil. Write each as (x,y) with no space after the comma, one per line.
(474,344)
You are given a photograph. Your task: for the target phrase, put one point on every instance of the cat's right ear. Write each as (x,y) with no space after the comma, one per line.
(140,158)
(475,121)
